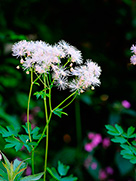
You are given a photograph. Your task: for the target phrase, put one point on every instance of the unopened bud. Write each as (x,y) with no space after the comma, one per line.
(82,91)
(92,87)
(71,69)
(71,65)
(21,61)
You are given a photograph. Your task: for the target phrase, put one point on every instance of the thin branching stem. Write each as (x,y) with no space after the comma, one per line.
(28,122)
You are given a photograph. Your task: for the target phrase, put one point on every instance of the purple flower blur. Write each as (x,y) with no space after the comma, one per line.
(126,104)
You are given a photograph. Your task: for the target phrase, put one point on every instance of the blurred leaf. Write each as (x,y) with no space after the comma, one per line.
(128,2)
(118,140)
(129,112)
(114,118)
(67,155)
(22,99)
(86,99)
(53,173)
(134,142)
(133,160)
(127,154)
(69,178)
(62,169)
(130,131)
(119,128)
(8,81)
(32,177)
(124,165)
(4,175)
(112,130)
(12,120)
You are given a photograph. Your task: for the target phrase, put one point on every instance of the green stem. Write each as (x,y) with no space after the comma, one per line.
(44,130)
(69,102)
(38,77)
(47,131)
(30,93)
(65,100)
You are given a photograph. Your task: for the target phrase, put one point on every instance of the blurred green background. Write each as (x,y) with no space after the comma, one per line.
(104,31)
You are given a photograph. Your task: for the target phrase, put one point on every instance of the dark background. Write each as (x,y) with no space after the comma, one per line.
(104,31)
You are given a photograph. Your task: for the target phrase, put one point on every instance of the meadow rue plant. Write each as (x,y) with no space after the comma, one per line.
(59,65)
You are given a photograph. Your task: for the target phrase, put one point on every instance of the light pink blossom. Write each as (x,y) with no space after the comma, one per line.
(106,142)
(93,165)
(126,104)
(102,174)
(88,147)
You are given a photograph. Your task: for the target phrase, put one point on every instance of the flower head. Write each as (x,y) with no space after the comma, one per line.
(59,61)
(87,76)
(133,48)
(71,52)
(133,57)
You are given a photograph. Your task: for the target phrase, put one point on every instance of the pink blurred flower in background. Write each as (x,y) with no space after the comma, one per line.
(109,170)
(24,117)
(88,147)
(94,165)
(28,171)
(102,174)
(126,104)
(106,142)
(95,138)
(91,135)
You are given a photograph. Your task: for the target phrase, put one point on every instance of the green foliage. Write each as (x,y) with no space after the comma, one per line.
(128,147)
(32,177)
(41,94)
(13,139)
(123,164)
(59,112)
(13,171)
(60,173)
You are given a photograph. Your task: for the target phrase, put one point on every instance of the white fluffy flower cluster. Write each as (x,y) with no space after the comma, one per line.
(62,60)
(133,57)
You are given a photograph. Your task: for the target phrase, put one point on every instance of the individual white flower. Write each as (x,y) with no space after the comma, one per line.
(59,72)
(74,85)
(92,66)
(133,48)
(61,83)
(19,48)
(86,76)
(58,51)
(27,64)
(39,69)
(133,59)
(71,52)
